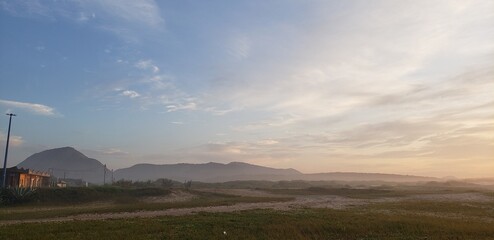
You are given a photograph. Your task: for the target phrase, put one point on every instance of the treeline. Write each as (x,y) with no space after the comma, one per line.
(72,195)
(158,183)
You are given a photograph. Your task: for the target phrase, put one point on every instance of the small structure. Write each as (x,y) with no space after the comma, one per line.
(27,178)
(71,182)
(61,184)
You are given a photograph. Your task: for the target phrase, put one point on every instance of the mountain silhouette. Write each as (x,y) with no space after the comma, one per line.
(70,163)
(206,172)
(66,162)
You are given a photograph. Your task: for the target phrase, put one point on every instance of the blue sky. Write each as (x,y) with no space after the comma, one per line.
(370,86)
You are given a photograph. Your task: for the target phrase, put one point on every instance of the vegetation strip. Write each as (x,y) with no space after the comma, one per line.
(261,224)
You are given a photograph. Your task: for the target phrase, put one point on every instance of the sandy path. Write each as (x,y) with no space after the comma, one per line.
(175,196)
(453,197)
(243,192)
(335,202)
(313,201)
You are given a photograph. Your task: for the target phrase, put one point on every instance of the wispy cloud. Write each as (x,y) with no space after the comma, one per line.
(145,12)
(160,82)
(154,90)
(26,8)
(35,108)
(411,146)
(113,157)
(147,64)
(124,18)
(239,47)
(113,151)
(130,93)
(14,141)
(186,106)
(371,86)
(391,59)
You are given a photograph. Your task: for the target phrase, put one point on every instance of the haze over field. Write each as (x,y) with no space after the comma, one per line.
(401,87)
(69,163)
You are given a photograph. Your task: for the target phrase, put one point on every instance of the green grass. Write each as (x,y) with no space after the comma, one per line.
(202,199)
(344,192)
(262,224)
(445,209)
(78,195)
(371,192)
(57,196)
(406,219)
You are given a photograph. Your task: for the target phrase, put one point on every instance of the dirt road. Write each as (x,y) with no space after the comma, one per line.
(312,201)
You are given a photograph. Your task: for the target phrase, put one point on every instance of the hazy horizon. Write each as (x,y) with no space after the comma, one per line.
(402,87)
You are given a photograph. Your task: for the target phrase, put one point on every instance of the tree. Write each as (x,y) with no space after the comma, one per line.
(187,184)
(164,182)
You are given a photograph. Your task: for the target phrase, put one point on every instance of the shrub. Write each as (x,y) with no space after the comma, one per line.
(18,195)
(164,182)
(187,185)
(149,192)
(123,183)
(72,195)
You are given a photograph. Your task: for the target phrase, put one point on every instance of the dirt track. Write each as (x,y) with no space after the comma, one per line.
(335,202)
(313,201)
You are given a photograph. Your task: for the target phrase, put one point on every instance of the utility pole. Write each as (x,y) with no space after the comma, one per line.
(50,171)
(104,174)
(4,183)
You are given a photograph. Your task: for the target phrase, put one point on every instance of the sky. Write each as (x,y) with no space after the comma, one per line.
(400,87)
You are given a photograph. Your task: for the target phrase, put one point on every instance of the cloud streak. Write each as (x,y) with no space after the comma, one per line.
(145,12)
(154,90)
(396,57)
(349,86)
(124,18)
(35,108)
(147,65)
(14,141)
(130,93)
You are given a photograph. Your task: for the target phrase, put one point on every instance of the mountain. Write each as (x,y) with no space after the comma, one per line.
(352,176)
(73,164)
(481,181)
(207,172)
(67,162)
(217,172)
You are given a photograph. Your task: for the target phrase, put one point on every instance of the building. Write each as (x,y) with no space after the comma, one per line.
(26,178)
(61,184)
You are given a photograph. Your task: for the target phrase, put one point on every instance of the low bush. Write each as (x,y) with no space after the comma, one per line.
(73,195)
(149,192)
(100,193)
(17,195)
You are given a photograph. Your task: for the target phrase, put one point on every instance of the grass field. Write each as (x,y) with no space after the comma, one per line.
(201,199)
(378,214)
(263,224)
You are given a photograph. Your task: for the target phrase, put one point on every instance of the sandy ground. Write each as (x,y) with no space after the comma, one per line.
(313,201)
(176,196)
(243,192)
(456,197)
(300,202)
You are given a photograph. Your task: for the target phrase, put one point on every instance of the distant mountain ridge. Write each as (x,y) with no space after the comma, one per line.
(206,172)
(66,162)
(354,176)
(73,164)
